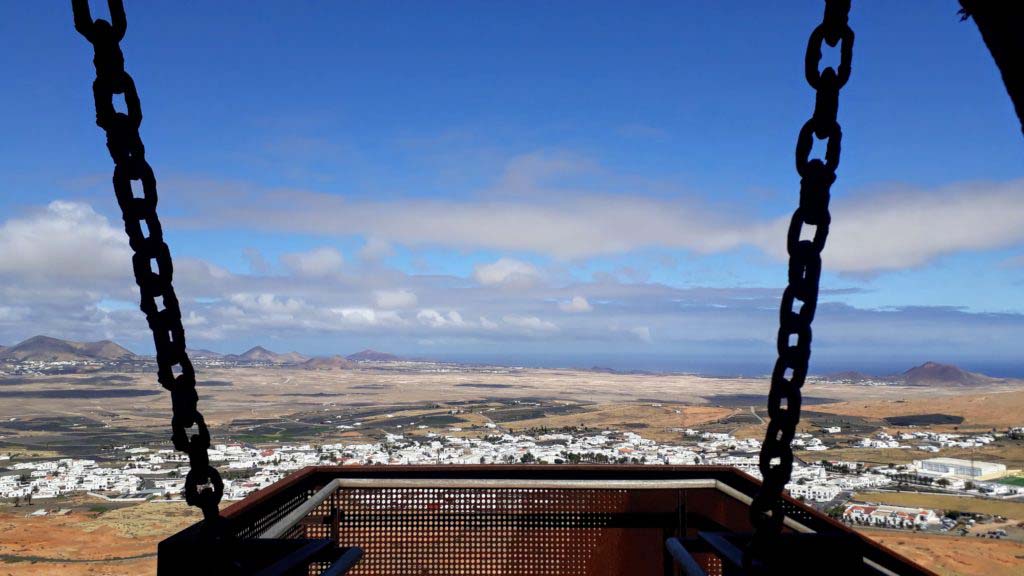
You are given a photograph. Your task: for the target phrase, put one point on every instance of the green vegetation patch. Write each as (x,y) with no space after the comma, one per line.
(436,421)
(51,424)
(924,419)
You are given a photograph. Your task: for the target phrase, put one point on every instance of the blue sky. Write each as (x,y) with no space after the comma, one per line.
(534,182)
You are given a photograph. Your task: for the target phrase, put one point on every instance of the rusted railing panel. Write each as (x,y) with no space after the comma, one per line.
(496,519)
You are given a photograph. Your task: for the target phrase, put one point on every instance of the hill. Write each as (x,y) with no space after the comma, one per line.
(933,373)
(203,353)
(293,358)
(372,356)
(849,376)
(261,354)
(47,349)
(327,363)
(927,374)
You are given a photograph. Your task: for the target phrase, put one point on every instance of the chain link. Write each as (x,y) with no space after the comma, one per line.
(800,298)
(151,262)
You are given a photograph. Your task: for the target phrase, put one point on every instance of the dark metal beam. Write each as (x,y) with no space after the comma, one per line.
(298,558)
(686,562)
(342,565)
(1001,23)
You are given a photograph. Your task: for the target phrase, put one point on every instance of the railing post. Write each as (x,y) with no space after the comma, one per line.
(336,525)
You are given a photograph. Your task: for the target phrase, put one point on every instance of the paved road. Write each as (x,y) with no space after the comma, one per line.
(759,419)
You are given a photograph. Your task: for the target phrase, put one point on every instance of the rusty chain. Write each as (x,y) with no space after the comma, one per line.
(800,298)
(152,258)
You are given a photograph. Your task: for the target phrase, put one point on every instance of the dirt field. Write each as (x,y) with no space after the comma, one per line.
(654,422)
(273,392)
(117,541)
(1005,508)
(994,408)
(955,555)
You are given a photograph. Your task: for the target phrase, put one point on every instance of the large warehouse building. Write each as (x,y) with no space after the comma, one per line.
(965,469)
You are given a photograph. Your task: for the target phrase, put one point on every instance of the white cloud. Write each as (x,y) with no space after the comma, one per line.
(431,318)
(435,319)
(529,323)
(375,249)
(269,304)
(577,304)
(902,227)
(367,316)
(533,208)
(65,241)
(566,226)
(641,332)
(322,261)
(391,299)
(62,265)
(257,263)
(13,313)
(193,320)
(507,272)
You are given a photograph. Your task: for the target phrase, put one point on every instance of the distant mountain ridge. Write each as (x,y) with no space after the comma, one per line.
(48,349)
(261,354)
(327,363)
(197,353)
(935,373)
(927,374)
(369,355)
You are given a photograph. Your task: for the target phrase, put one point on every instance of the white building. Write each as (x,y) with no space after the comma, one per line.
(966,469)
(815,492)
(890,516)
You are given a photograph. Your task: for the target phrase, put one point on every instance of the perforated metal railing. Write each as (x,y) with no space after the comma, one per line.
(518,520)
(497,530)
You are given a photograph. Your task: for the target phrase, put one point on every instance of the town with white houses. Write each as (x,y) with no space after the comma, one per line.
(144,473)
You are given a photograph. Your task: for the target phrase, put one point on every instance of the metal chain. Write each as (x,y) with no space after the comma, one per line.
(152,258)
(800,298)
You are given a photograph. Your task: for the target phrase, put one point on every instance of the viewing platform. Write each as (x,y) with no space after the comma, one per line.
(520,520)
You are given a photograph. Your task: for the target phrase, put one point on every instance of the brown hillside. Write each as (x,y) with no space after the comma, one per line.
(47,349)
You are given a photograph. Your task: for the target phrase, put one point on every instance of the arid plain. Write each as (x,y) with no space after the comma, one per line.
(78,413)
(135,402)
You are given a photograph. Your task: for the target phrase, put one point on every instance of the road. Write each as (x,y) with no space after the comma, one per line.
(759,419)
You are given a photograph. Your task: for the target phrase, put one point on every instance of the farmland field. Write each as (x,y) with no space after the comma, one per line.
(946,502)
